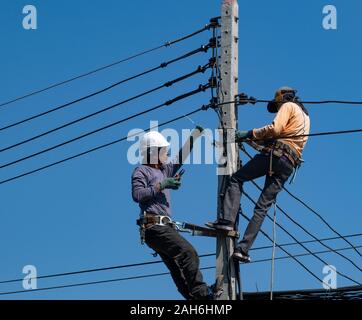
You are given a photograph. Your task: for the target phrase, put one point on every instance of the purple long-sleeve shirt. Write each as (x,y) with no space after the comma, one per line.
(144,190)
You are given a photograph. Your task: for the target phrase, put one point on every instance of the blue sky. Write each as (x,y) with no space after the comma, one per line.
(80,215)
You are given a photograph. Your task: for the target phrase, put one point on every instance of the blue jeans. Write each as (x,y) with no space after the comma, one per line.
(257,167)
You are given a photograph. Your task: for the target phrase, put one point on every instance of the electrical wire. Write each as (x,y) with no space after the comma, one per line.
(285,251)
(155,274)
(302,245)
(166,103)
(303,228)
(56,275)
(93,149)
(144,52)
(255,101)
(321,218)
(203,48)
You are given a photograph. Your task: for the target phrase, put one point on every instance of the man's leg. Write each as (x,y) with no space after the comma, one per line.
(177,276)
(255,168)
(169,243)
(273,185)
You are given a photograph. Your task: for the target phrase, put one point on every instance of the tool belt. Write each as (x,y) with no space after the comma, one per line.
(148,220)
(280,149)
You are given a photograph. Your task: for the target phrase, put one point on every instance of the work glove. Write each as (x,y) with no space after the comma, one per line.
(242,135)
(170,183)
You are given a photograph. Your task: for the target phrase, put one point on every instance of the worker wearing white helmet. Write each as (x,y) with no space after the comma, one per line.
(151,184)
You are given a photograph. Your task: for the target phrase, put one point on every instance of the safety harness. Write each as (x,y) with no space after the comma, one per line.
(278,149)
(148,220)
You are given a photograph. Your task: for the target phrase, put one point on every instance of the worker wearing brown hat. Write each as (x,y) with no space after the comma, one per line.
(282,144)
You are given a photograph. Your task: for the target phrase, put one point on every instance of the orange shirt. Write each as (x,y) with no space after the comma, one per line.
(289,121)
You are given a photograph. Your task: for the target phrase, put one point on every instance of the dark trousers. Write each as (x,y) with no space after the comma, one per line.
(181,259)
(257,167)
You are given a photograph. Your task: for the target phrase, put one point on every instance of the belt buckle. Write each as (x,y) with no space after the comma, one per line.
(161,220)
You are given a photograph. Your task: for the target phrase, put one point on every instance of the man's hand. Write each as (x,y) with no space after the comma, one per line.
(242,135)
(170,183)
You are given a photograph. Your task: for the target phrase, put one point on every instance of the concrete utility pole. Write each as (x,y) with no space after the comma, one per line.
(228,65)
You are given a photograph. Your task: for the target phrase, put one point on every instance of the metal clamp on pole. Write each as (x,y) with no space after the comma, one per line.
(197,230)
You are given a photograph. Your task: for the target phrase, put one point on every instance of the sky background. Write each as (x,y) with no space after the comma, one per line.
(80,214)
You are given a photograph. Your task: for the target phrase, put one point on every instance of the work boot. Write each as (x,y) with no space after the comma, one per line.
(216,290)
(240,255)
(221,225)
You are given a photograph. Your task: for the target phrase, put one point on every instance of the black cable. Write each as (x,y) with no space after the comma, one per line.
(311,234)
(301,227)
(166,84)
(156,274)
(320,217)
(328,133)
(333,101)
(160,261)
(254,101)
(302,245)
(203,48)
(285,251)
(94,149)
(166,44)
(316,102)
(167,103)
(309,241)
(304,254)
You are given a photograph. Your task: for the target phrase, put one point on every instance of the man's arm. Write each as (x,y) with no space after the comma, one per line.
(140,191)
(278,125)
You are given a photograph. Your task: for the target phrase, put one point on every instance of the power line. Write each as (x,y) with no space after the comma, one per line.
(165,45)
(160,261)
(328,133)
(301,227)
(311,234)
(285,251)
(167,103)
(302,245)
(154,274)
(320,217)
(247,100)
(95,148)
(203,48)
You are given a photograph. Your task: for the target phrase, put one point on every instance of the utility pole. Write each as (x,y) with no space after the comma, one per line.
(228,66)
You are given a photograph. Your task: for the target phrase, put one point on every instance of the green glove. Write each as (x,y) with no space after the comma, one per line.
(170,183)
(241,135)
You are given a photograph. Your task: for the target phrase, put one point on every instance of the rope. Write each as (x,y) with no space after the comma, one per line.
(273,254)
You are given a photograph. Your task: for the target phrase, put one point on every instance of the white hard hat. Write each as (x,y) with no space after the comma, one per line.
(153,139)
